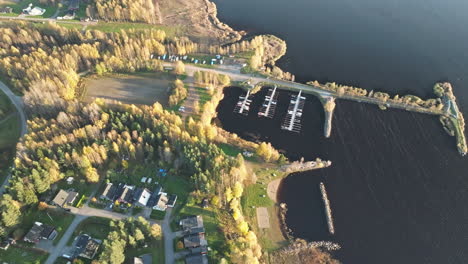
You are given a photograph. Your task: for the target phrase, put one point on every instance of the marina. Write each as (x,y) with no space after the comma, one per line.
(292,121)
(243,106)
(269,105)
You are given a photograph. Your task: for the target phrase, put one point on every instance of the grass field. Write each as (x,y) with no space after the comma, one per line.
(96,227)
(9,131)
(5,106)
(16,255)
(117,26)
(143,88)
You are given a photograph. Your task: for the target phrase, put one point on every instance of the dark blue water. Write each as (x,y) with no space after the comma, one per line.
(397,187)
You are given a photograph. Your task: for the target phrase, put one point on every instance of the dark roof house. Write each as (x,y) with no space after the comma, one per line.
(86,246)
(127,194)
(191,222)
(64,198)
(199,250)
(196,259)
(195,240)
(5,244)
(6,10)
(161,202)
(109,192)
(40,231)
(172,200)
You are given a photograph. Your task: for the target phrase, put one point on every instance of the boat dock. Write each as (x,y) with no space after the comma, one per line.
(292,121)
(269,105)
(243,106)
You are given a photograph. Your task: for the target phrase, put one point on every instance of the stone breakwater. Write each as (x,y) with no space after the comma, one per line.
(300,245)
(328,213)
(299,166)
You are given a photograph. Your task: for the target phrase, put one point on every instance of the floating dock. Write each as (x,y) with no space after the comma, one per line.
(269,105)
(328,213)
(292,121)
(243,106)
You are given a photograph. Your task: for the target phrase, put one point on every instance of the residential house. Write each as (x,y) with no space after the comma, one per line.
(126,196)
(190,222)
(5,244)
(6,10)
(195,240)
(141,197)
(109,192)
(172,200)
(34,11)
(40,231)
(64,198)
(196,259)
(199,250)
(86,247)
(161,202)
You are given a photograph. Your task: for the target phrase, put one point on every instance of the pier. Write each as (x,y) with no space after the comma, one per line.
(269,105)
(292,121)
(328,213)
(329,107)
(243,106)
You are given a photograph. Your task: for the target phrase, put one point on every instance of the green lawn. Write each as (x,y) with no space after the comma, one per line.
(9,131)
(16,255)
(117,26)
(179,186)
(96,227)
(157,215)
(70,26)
(253,197)
(54,217)
(5,106)
(204,96)
(233,151)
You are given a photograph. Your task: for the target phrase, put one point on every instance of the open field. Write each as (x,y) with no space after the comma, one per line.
(146,88)
(117,26)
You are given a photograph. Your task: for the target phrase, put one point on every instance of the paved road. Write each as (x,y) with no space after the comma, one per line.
(234,73)
(169,237)
(24,18)
(18,103)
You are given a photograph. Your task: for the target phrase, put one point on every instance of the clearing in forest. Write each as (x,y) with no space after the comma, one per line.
(139,89)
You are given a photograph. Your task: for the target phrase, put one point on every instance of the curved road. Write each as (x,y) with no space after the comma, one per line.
(18,103)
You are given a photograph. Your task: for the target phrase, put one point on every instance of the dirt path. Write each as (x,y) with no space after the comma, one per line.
(192,97)
(272,189)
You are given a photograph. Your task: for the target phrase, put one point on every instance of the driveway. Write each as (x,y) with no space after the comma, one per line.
(169,237)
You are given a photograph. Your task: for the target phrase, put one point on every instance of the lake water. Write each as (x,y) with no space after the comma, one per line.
(398,187)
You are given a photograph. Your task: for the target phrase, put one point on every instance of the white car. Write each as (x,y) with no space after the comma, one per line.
(182,109)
